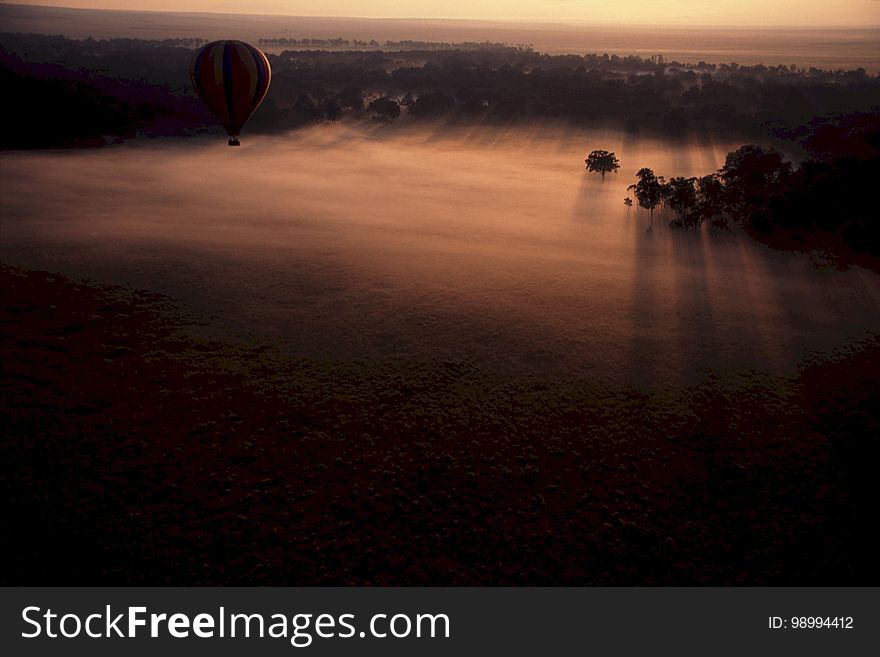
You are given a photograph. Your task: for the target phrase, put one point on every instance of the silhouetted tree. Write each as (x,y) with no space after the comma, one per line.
(711,204)
(602,162)
(384,108)
(332,109)
(304,110)
(352,98)
(648,191)
(681,196)
(752,173)
(431,104)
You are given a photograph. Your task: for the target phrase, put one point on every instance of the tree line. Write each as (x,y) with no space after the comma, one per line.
(758,189)
(150,80)
(405,44)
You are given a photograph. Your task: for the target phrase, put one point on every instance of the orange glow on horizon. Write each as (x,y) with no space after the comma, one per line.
(790,13)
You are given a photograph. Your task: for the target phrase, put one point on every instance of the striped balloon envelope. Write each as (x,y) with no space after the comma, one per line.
(232,77)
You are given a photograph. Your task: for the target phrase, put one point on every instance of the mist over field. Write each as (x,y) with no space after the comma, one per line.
(407,244)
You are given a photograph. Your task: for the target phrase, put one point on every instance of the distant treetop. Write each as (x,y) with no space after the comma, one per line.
(602,162)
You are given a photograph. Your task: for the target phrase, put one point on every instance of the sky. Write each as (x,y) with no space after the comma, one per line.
(855,13)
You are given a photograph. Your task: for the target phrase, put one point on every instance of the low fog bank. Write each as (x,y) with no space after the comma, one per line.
(492,246)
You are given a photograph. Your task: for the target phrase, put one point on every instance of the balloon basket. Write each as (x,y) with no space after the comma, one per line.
(234,142)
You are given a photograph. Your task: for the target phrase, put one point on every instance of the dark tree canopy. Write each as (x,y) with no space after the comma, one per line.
(758,189)
(648,190)
(136,87)
(384,108)
(602,162)
(681,196)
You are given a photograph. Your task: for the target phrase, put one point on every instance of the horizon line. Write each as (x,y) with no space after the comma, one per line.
(496,21)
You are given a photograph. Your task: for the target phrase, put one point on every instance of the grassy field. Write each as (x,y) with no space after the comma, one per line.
(135,452)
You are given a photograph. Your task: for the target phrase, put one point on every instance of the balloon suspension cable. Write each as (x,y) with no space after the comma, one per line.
(233,141)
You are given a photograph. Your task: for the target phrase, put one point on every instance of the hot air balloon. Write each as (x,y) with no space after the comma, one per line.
(232,77)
